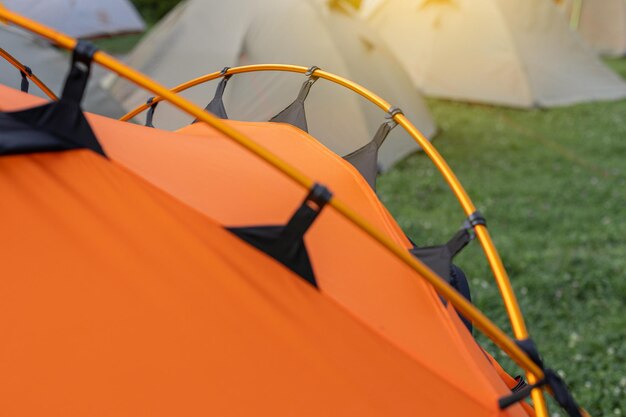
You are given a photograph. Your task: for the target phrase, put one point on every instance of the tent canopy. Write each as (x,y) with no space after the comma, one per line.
(225,336)
(517,53)
(82,18)
(208,35)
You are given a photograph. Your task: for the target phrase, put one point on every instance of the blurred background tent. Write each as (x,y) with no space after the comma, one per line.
(602,23)
(82,18)
(517,53)
(198,37)
(50,65)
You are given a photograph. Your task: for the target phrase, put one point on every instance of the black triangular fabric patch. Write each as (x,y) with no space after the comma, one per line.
(58,126)
(286,243)
(365,159)
(268,239)
(439,259)
(295,114)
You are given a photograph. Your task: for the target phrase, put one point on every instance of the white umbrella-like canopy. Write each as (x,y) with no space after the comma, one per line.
(201,36)
(82,18)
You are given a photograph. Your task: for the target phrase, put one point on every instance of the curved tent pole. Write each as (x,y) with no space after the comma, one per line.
(482,322)
(28,73)
(511,304)
(517,321)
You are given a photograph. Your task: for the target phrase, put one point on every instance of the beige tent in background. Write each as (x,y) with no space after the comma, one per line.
(202,36)
(82,18)
(602,23)
(517,53)
(51,66)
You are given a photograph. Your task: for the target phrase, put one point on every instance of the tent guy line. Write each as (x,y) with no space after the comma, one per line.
(483,323)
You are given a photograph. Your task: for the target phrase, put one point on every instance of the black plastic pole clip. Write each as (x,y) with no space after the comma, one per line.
(304,217)
(306,86)
(562,395)
(27,72)
(291,237)
(311,70)
(393,111)
(84,52)
(319,195)
(473,220)
(224,71)
(150,114)
(76,81)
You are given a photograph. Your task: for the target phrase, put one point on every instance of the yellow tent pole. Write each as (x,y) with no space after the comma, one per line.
(457,300)
(468,207)
(22,68)
(510,301)
(2,9)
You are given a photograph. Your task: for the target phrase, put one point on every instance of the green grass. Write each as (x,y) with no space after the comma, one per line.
(552,184)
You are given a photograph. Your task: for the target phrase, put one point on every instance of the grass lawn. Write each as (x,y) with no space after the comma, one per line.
(552,184)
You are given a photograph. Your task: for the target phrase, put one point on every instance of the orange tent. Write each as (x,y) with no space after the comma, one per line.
(124,302)
(222,181)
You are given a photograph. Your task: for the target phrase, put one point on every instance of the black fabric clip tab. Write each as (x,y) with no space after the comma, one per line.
(25,74)
(561,393)
(216,105)
(439,259)
(286,243)
(365,159)
(383,131)
(76,81)
(150,113)
(294,114)
(303,218)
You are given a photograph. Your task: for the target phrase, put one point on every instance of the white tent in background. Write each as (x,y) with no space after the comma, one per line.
(516,52)
(82,18)
(602,23)
(201,36)
(51,66)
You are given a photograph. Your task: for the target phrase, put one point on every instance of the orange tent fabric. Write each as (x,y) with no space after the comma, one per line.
(117,300)
(223,181)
